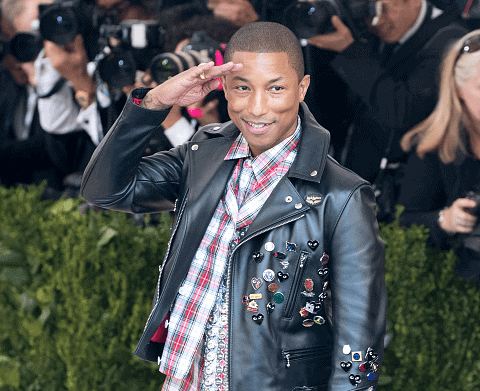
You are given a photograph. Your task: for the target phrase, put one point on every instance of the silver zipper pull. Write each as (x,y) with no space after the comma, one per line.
(303,258)
(287,357)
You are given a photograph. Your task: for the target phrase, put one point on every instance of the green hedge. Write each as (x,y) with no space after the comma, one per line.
(76,290)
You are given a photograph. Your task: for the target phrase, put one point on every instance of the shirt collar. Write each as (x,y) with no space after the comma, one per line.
(416,25)
(240,148)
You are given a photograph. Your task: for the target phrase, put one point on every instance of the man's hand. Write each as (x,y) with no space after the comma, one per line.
(238,12)
(71,62)
(337,41)
(187,87)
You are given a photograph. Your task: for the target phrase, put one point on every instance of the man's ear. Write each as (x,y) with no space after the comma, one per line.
(303,87)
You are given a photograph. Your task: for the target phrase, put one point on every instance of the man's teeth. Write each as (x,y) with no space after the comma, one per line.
(256,125)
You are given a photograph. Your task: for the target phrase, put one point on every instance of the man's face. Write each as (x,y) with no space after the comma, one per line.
(398,16)
(263,98)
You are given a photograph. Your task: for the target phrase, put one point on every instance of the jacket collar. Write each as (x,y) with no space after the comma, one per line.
(312,148)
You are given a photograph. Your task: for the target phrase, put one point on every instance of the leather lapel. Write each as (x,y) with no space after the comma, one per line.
(207,178)
(279,207)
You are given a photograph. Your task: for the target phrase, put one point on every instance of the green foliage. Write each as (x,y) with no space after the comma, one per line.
(433,317)
(76,290)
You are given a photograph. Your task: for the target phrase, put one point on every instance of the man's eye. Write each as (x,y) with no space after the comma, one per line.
(277,88)
(242,88)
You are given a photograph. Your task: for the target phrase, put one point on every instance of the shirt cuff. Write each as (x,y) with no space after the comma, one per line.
(180,132)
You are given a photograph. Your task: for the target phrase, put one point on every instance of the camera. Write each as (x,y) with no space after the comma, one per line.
(4,43)
(127,47)
(475,196)
(61,21)
(25,47)
(200,49)
(307,19)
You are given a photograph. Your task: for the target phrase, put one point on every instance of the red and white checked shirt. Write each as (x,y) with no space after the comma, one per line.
(252,181)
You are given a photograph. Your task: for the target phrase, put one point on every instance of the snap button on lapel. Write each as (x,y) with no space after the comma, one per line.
(216,128)
(314,173)
(194,147)
(298,206)
(288,199)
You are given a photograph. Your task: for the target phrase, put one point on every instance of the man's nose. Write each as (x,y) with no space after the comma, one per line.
(258,104)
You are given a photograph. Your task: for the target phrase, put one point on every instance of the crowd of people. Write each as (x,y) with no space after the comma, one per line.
(376,85)
(143,100)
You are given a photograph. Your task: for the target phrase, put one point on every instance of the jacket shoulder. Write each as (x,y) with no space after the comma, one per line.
(227,129)
(341,177)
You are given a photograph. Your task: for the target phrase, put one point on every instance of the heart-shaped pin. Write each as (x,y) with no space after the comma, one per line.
(258,256)
(323,273)
(279,255)
(313,244)
(270,307)
(256,282)
(282,276)
(354,379)
(370,355)
(346,365)
(258,318)
(317,307)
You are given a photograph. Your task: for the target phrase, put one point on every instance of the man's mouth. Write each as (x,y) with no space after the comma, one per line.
(258,125)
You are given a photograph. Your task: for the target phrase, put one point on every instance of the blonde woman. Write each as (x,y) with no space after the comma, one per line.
(443,176)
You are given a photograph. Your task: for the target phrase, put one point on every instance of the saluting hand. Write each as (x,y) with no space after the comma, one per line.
(187,87)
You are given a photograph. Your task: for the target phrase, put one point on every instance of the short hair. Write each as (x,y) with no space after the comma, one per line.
(267,37)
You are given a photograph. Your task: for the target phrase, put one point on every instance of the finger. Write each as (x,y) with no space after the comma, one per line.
(465,203)
(221,70)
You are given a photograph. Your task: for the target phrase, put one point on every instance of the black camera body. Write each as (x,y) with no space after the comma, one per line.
(62,21)
(200,49)
(307,19)
(128,46)
(4,46)
(475,196)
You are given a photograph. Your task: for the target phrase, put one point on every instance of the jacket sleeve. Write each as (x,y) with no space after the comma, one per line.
(117,177)
(358,292)
(423,196)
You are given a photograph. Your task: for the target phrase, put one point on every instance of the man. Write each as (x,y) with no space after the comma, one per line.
(274,275)
(391,81)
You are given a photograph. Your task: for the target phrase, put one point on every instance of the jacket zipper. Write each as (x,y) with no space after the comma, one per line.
(229,287)
(295,284)
(180,214)
(298,354)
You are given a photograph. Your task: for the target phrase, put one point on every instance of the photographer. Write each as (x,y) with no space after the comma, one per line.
(390,75)
(24,156)
(442,182)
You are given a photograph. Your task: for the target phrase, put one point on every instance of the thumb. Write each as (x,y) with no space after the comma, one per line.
(337,23)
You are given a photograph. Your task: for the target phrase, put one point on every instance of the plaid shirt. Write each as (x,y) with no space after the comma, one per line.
(251,183)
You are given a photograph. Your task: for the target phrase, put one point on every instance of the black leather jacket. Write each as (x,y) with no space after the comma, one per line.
(317,201)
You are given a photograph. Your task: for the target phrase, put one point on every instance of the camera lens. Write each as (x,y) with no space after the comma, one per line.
(307,19)
(166,65)
(59,25)
(25,46)
(118,69)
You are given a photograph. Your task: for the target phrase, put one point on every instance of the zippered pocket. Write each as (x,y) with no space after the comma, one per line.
(290,356)
(297,278)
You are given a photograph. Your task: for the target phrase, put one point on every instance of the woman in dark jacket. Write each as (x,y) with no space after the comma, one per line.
(442,180)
